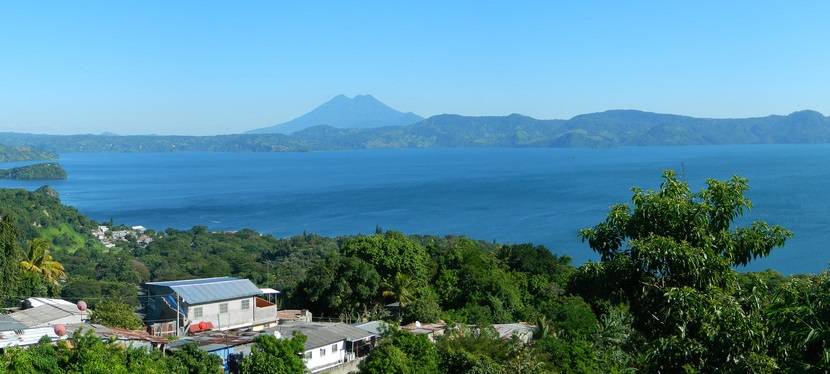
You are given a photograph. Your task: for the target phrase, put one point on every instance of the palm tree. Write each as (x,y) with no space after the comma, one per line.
(402,289)
(40,262)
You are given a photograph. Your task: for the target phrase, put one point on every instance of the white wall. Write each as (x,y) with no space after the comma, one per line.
(319,362)
(235,317)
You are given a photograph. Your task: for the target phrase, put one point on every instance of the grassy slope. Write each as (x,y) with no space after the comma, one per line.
(41,214)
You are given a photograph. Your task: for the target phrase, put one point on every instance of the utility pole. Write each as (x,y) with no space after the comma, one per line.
(178,313)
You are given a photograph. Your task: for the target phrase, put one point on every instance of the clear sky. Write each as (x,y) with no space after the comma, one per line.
(202,67)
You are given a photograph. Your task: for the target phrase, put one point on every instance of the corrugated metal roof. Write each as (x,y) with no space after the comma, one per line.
(10,324)
(45,314)
(520,329)
(205,290)
(26,336)
(373,327)
(322,334)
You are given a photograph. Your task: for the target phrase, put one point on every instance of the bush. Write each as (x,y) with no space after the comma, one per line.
(115,314)
(270,355)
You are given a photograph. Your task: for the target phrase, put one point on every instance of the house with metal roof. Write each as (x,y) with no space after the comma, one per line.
(16,334)
(50,314)
(193,305)
(328,345)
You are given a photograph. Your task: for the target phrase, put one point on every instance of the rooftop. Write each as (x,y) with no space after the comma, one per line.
(10,324)
(424,328)
(205,290)
(117,333)
(322,334)
(44,314)
(373,327)
(519,329)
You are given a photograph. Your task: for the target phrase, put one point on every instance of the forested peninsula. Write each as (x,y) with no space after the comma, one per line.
(662,296)
(24,153)
(43,171)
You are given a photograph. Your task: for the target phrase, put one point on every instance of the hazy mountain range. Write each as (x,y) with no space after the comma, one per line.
(352,124)
(359,112)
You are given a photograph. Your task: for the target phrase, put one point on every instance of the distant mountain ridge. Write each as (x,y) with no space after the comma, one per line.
(613,128)
(361,111)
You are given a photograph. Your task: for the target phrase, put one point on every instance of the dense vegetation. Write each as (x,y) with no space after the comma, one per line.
(24,153)
(43,171)
(90,355)
(606,129)
(664,295)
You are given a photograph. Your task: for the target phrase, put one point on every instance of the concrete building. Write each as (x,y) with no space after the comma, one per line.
(329,345)
(205,304)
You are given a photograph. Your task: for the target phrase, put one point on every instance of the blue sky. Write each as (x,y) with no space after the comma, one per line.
(216,67)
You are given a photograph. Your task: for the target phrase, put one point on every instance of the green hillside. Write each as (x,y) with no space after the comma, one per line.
(24,153)
(41,214)
(45,171)
(613,128)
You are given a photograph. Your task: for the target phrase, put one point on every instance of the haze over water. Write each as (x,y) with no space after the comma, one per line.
(542,196)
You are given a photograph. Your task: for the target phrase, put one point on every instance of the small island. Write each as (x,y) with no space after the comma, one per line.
(49,170)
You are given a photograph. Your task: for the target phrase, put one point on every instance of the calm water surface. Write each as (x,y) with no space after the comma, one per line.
(508,195)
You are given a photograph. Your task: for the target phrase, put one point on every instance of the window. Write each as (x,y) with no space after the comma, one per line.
(246,304)
(334,347)
(307,355)
(197,312)
(223,308)
(322,352)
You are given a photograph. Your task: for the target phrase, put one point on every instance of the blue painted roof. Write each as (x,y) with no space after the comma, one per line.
(205,290)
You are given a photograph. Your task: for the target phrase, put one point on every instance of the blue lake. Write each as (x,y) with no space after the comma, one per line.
(508,195)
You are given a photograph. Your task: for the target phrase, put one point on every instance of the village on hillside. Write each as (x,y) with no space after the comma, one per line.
(222,316)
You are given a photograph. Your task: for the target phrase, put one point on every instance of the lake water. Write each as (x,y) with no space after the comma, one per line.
(508,195)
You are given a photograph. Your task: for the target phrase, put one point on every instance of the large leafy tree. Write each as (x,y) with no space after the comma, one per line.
(9,258)
(401,352)
(115,314)
(799,316)
(474,286)
(670,256)
(191,359)
(390,253)
(270,355)
(39,261)
(401,288)
(340,285)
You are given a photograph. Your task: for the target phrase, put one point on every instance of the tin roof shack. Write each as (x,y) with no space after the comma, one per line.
(431,330)
(124,337)
(377,328)
(221,303)
(16,334)
(520,330)
(329,344)
(230,346)
(41,312)
(294,315)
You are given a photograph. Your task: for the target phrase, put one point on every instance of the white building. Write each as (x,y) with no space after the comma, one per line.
(206,304)
(329,344)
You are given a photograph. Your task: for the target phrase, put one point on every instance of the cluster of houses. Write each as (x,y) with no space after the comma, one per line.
(109,237)
(222,316)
